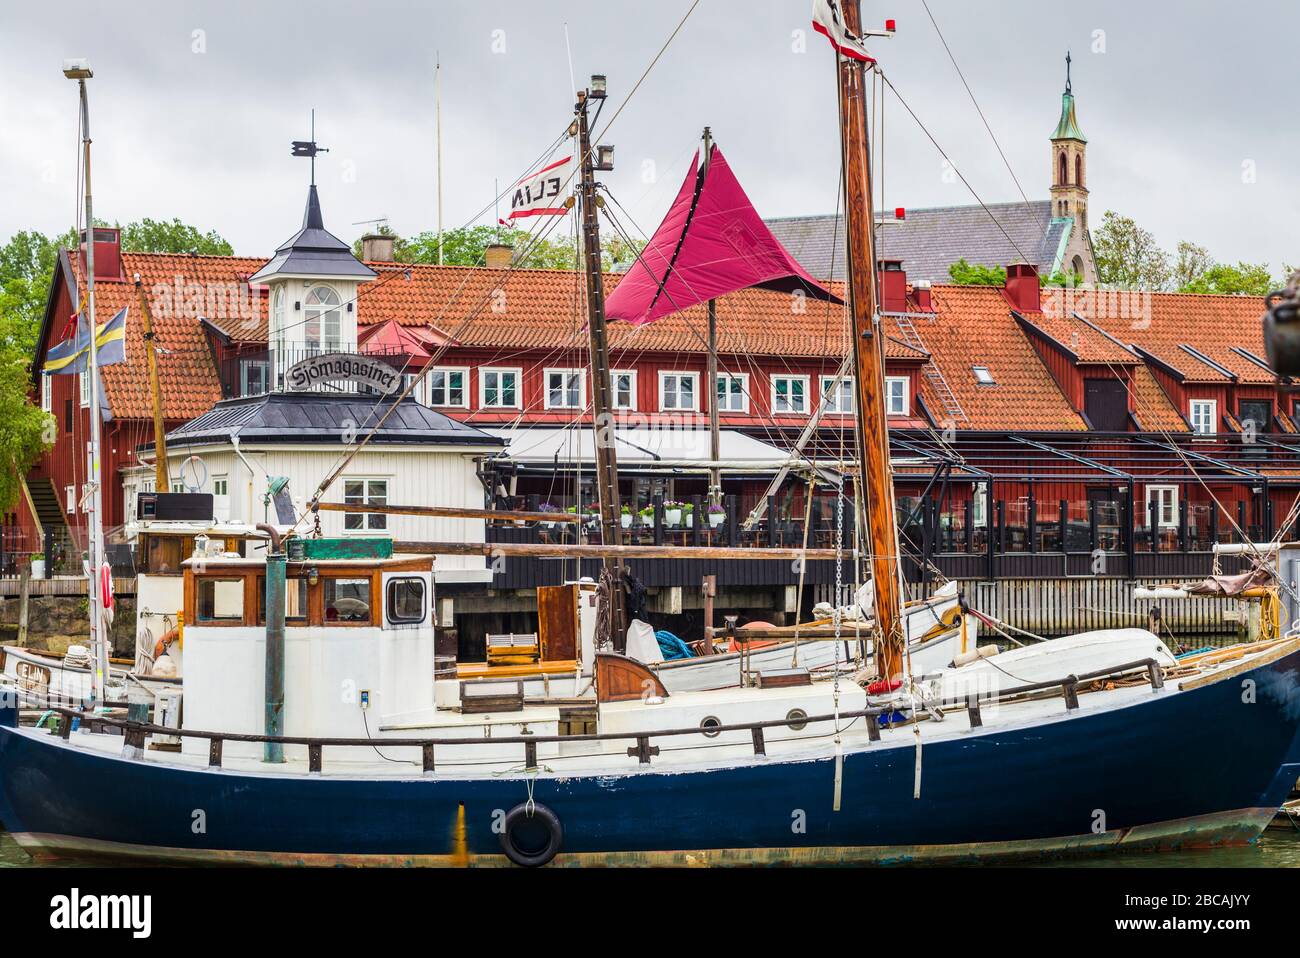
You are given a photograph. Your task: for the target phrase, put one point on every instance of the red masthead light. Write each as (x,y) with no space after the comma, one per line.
(891,25)
(900,213)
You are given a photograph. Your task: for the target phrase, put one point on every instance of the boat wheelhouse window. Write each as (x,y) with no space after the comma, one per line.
(405,600)
(347,600)
(219,600)
(164,554)
(295,600)
(365,492)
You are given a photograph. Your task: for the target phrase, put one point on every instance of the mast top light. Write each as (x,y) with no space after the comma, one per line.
(77,68)
(599,86)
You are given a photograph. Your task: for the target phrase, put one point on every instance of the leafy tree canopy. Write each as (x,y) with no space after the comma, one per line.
(467,246)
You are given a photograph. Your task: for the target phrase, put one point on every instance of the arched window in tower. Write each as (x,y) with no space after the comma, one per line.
(1078,170)
(1063,174)
(323,327)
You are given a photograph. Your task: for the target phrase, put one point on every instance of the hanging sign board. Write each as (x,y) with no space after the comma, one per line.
(343,367)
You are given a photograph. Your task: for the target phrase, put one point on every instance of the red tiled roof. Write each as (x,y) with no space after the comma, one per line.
(543,309)
(1154,411)
(1212,325)
(1086,342)
(180,289)
(975,328)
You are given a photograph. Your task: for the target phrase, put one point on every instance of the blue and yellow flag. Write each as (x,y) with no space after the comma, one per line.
(71,355)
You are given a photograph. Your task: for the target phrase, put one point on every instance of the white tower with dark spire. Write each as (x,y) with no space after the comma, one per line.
(312,280)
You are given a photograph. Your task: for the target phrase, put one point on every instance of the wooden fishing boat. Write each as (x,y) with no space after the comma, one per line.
(324,737)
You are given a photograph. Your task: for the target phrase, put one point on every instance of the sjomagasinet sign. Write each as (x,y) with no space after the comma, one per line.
(343,367)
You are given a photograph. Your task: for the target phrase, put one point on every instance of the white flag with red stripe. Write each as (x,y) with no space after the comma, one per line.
(541,193)
(828,19)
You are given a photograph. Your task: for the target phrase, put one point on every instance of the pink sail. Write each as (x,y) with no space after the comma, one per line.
(711,243)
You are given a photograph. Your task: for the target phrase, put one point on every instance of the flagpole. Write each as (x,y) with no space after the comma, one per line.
(93,502)
(437,112)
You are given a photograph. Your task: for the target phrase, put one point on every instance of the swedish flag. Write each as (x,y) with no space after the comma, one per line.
(72,355)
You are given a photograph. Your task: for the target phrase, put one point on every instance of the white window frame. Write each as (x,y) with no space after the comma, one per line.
(447,371)
(483,374)
(679,375)
(221,498)
(567,372)
(905,395)
(728,378)
(47,393)
(613,385)
(979,506)
(1213,406)
(370,521)
(830,404)
(991,380)
(1163,522)
(82,380)
(70,494)
(320,313)
(806,391)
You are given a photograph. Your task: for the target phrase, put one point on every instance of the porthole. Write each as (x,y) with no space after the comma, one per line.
(711,726)
(796,719)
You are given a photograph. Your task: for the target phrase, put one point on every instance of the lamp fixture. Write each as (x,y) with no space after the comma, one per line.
(604,158)
(599,86)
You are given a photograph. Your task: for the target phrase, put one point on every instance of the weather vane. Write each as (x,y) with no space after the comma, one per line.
(309,148)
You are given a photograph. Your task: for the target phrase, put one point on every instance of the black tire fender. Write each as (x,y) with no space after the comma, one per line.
(524,812)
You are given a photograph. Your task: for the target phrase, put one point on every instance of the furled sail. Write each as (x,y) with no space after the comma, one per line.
(712,242)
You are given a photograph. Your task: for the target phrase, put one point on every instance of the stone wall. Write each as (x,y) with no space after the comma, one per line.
(56,621)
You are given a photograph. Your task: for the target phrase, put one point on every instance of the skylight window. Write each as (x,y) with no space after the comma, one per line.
(983,376)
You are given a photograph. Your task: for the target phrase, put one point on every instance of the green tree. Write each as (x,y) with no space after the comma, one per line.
(467,246)
(1128,256)
(1244,279)
(964,273)
(172,236)
(26,431)
(1191,264)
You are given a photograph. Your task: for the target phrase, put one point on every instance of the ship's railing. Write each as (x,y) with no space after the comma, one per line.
(134,733)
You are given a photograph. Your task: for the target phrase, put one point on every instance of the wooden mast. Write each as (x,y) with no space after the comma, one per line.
(876,502)
(601,397)
(162,482)
(715,436)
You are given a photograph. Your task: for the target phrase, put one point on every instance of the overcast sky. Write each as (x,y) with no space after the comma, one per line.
(1190,117)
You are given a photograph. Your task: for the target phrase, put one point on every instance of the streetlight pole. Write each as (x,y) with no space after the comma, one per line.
(80,71)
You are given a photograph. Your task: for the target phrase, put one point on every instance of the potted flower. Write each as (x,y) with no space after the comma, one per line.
(688,514)
(672,512)
(548,507)
(716,515)
(625,519)
(647,515)
(38,565)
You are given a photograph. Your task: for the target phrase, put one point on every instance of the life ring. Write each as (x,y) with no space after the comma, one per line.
(161,645)
(530,853)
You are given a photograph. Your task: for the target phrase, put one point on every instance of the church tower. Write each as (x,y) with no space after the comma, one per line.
(1069,162)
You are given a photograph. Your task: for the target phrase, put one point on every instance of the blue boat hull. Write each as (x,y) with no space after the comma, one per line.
(1199,767)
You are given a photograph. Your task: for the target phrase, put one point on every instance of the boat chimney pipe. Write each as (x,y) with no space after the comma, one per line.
(275,589)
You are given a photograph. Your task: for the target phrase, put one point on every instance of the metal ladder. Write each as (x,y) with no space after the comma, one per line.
(933,375)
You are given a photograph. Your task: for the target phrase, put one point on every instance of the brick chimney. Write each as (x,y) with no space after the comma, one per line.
(893,286)
(1023,289)
(108,254)
(377,247)
(497,256)
(921,297)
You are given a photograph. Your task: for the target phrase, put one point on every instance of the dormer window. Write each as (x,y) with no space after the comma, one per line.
(323,326)
(983,376)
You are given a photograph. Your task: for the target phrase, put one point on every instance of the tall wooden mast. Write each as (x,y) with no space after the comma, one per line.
(875,502)
(715,435)
(601,395)
(162,483)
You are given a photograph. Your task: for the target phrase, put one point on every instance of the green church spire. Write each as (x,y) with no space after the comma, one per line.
(1068,127)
